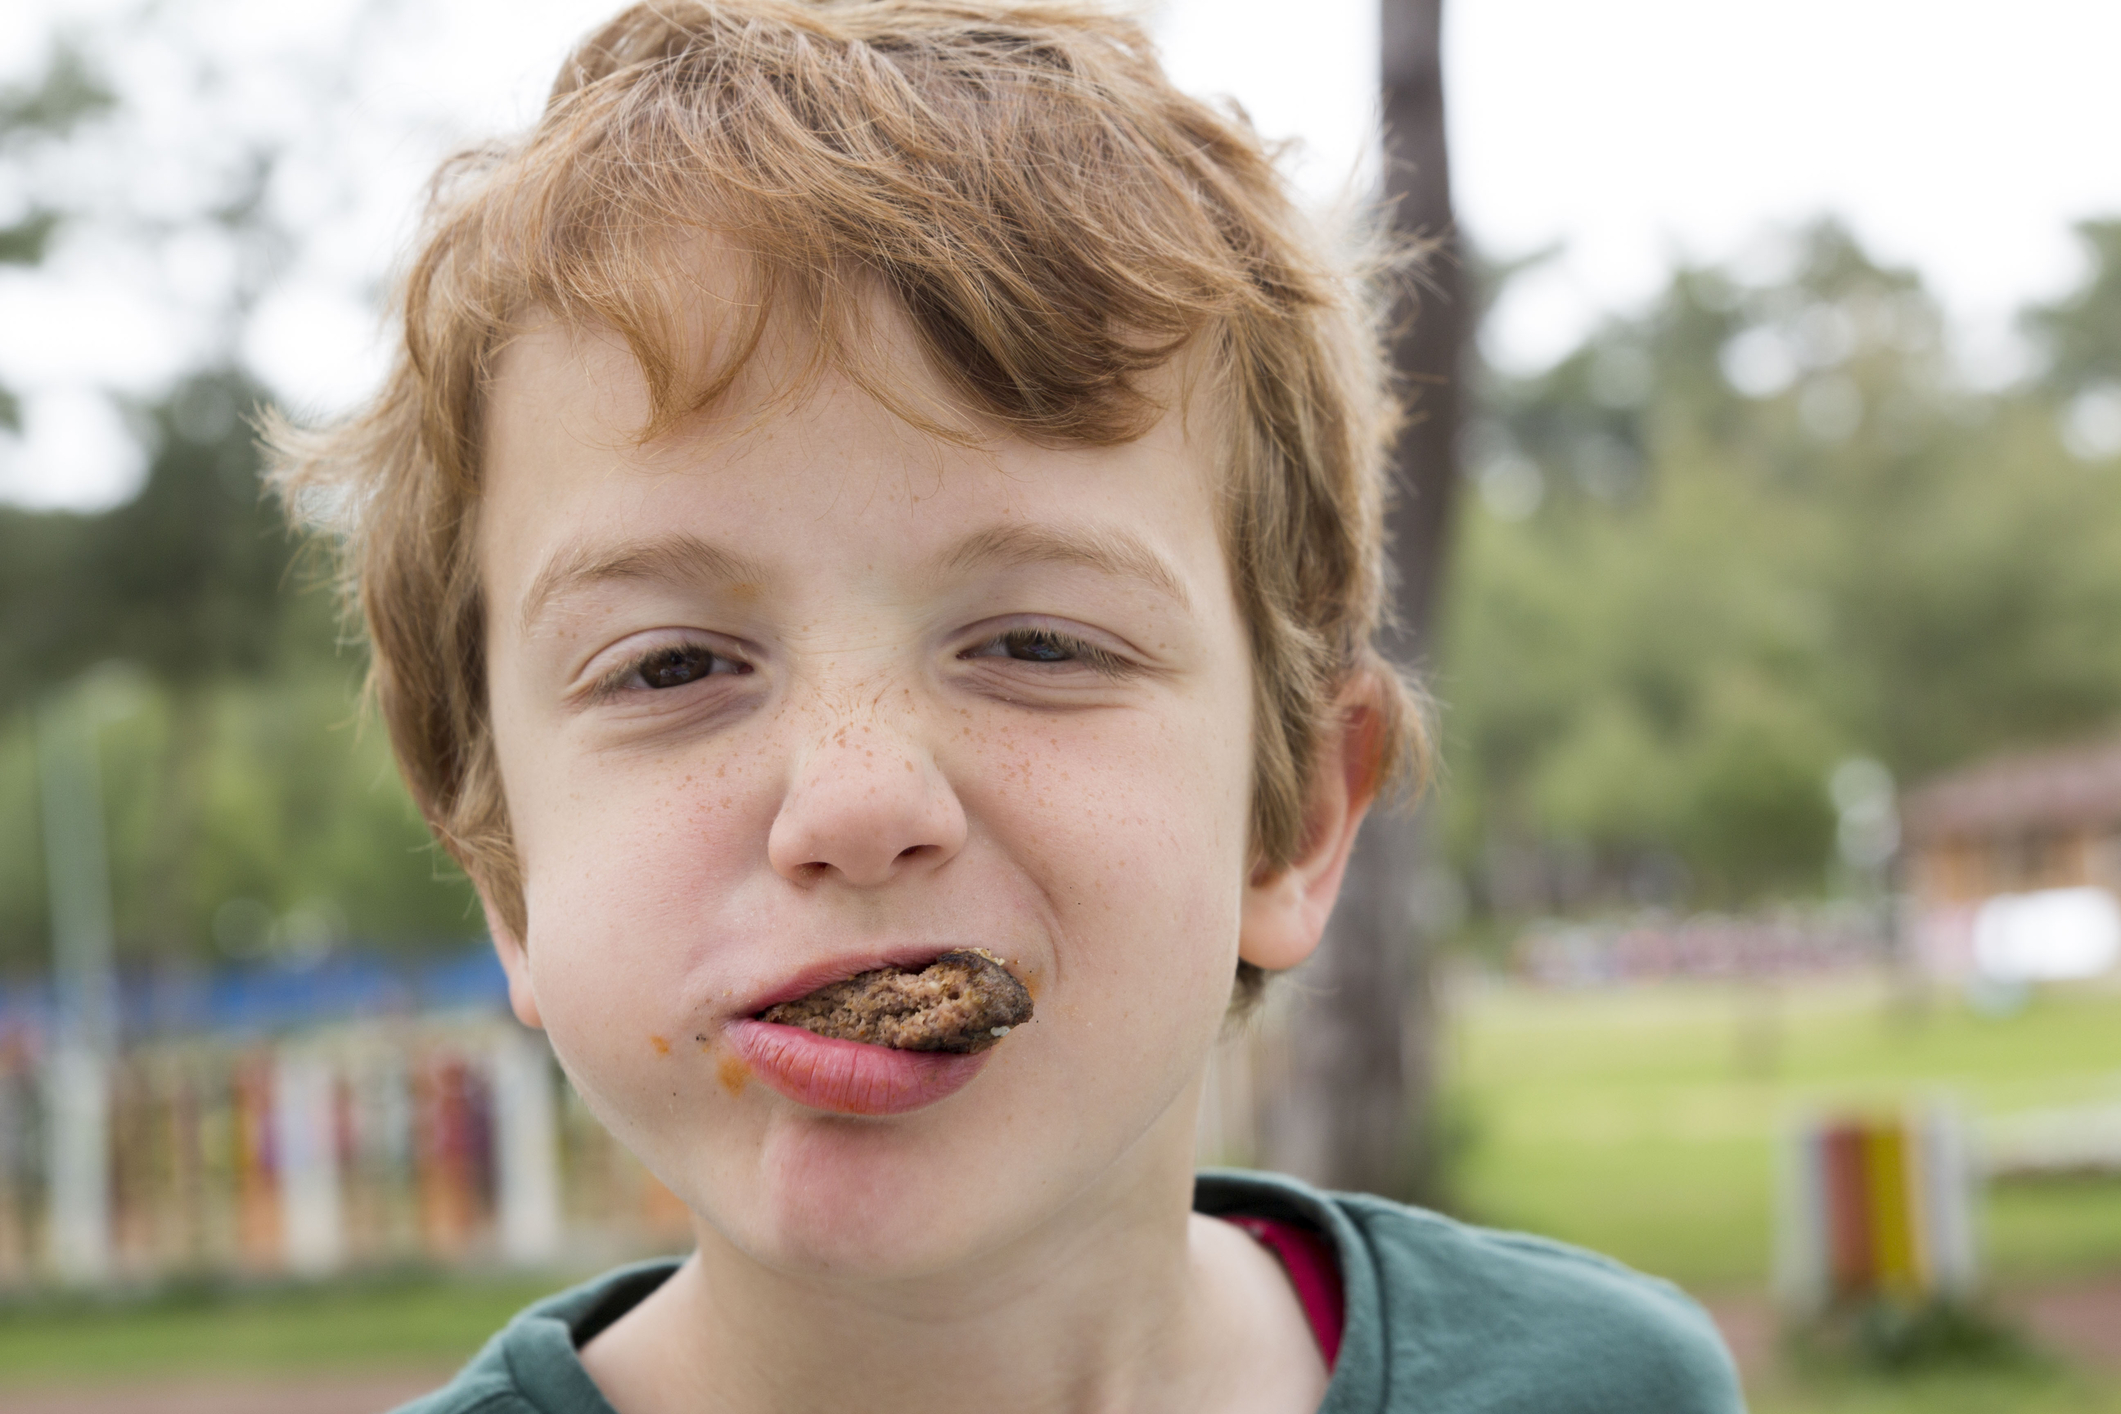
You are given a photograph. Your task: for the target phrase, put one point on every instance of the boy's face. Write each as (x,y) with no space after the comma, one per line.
(782,698)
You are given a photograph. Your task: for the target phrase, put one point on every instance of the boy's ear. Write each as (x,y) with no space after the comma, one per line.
(515,961)
(1285,910)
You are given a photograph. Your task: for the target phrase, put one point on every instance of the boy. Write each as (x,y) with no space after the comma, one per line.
(878,507)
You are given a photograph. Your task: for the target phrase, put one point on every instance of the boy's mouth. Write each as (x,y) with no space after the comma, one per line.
(888,1040)
(963,1002)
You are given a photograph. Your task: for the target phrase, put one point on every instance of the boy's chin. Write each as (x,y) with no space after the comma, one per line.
(833,1202)
(867,1200)
(949,1188)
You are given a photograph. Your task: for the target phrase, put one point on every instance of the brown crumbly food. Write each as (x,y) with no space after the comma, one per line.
(964,1001)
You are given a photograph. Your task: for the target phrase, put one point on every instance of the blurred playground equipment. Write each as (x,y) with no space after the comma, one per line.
(1877,1207)
(1821,940)
(319,1112)
(354,1115)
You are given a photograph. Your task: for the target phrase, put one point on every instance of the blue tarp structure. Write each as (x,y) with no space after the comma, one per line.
(264,998)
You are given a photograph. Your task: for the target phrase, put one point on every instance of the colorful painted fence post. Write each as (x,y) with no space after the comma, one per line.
(1876,1207)
(449,1139)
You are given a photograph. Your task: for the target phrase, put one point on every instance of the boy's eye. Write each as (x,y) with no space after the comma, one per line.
(684,663)
(1036,647)
(1040,645)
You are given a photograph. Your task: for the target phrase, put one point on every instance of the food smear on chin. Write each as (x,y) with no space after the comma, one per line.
(732,1072)
(964,1001)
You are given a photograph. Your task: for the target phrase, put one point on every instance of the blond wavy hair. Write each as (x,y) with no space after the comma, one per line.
(1055,221)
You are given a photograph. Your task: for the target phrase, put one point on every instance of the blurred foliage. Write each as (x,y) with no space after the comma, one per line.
(234,768)
(1750,534)
(1896,1338)
(66,93)
(247,811)
(23,243)
(183,580)
(2082,333)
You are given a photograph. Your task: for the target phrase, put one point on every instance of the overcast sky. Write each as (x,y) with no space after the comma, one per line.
(1961,139)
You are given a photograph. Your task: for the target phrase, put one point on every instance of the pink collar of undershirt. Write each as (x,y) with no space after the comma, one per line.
(1308,1259)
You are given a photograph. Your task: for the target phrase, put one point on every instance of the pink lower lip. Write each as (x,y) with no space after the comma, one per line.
(847,1077)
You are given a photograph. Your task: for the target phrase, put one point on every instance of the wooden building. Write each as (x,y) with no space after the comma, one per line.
(2018,824)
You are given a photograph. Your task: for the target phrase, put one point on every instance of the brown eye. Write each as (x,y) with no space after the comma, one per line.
(1038,648)
(1044,646)
(689,662)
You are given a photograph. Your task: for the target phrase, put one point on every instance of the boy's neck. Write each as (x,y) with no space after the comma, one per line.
(1124,1301)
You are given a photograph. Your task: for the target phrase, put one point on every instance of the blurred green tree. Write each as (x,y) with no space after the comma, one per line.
(1727,544)
(242,774)
(44,110)
(2081,333)
(230,781)
(184,580)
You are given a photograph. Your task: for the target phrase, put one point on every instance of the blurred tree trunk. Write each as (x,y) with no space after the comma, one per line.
(1357,1110)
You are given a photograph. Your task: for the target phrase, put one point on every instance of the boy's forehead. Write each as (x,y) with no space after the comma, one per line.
(705,315)
(698,328)
(584,502)
(583,380)
(584,384)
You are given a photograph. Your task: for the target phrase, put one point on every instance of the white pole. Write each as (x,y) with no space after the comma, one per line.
(77,1076)
(526,1137)
(312,1228)
(1950,1198)
(1802,1282)
(77,1159)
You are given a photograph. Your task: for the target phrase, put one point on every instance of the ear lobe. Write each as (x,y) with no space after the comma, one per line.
(1285,912)
(515,961)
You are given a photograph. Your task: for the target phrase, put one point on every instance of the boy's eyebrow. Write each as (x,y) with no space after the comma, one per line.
(687,557)
(587,563)
(1109,551)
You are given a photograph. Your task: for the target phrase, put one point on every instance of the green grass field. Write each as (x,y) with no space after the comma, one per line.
(2039,1391)
(1642,1122)
(408,1322)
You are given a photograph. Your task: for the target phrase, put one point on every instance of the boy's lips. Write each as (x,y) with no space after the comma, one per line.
(847,1077)
(823,974)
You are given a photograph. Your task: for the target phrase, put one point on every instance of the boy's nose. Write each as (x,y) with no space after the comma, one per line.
(866,806)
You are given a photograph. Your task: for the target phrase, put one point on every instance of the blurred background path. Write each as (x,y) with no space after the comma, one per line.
(311,1395)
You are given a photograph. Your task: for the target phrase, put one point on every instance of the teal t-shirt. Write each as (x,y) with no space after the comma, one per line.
(1442,1318)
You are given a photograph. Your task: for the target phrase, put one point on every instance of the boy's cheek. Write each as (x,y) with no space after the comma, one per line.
(649,888)
(1119,865)
(1136,842)
(616,824)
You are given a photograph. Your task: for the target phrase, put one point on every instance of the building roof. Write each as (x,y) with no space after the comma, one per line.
(2063,788)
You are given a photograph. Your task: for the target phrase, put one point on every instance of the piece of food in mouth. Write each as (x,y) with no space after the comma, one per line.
(964,1001)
